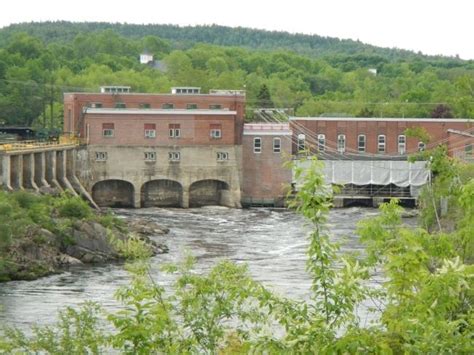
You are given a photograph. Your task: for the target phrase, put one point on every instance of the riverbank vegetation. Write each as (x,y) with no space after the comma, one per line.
(39,234)
(308,75)
(423,304)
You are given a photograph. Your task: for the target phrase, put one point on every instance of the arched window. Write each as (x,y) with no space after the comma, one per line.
(381,144)
(421,146)
(361,143)
(301,142)
(321,142)
(341,143)
(402,144)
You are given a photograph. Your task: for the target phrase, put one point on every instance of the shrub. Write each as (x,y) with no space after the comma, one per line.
(73,207)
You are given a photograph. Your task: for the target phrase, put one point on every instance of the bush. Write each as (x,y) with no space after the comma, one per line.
(73,207)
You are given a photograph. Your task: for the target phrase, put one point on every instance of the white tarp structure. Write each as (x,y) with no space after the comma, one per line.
(373,172)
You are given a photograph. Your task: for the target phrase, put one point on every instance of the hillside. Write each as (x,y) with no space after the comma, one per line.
(309,74)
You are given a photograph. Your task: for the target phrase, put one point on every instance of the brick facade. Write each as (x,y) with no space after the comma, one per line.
(372,128)
(265,179)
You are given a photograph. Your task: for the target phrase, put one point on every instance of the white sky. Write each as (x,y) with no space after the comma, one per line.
(430,26)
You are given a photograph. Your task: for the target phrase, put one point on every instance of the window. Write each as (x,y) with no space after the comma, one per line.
(468,150)
(221,156)
(174,130)
(95,105)
(381,144)
(150,130)
(301,142)
(402,144)
(174,156)
(257,145)
(276,145)
(215,131)
(107,130)
(191,106)
(144,105)
(167,106)
(150,156)
(215,107)
(361,143)
(100,156)
(421,146)
(120,105)
(341,143)
(321,142)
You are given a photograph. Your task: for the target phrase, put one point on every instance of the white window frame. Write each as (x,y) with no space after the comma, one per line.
(341,143)
(175,132)
(321,142)
(301,143)
(101,156)
(216,133)
(421,146)
(150,156)
(174,156)
(222,156)
(361,149)
(381,143)
(402,144)
(257,147)
(276,145)
(108,132)
(150,133)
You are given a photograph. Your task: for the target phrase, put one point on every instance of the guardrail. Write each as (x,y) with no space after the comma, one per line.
(62,141)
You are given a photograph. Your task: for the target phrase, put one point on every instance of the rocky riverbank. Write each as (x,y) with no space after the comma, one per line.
(40,252)
(42,233)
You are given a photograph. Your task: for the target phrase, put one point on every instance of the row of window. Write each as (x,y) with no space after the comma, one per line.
(172,156)
(361,143)
(174,130)
(166,106)
(257,145)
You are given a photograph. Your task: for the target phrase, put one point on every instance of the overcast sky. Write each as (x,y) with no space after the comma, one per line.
(430,26)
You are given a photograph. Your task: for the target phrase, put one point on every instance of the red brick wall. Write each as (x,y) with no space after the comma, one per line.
(372,128)
(264,176)
(77,101)
(457,146)
(129,129)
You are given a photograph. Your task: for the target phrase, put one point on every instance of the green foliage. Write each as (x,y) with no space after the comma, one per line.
(73,207)
(76,332)
(130,248)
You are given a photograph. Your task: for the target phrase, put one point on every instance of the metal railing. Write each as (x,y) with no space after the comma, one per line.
(375,191)
(65,140)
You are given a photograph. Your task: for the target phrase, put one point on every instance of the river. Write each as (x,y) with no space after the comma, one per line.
(272,242)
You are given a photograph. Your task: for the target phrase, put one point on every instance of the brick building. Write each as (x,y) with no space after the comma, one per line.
(369,138)
(191,149)
(180,149)
(266,149)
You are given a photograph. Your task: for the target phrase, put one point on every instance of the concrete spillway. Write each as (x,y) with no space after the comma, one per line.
(35,166)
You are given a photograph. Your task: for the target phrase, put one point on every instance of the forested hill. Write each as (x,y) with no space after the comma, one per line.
(184,37)
(310,75)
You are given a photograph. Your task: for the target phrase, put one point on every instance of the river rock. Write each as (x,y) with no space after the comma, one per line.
(47,190)
(146,227)
(90,243)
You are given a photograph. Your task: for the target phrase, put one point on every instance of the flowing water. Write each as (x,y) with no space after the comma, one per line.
(272,242)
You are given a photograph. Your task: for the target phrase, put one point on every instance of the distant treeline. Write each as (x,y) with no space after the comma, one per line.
(310,74)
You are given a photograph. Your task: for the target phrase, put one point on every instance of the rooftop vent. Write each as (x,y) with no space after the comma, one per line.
(115,89)
(185,90)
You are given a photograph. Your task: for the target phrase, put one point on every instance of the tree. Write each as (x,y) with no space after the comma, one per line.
(263,97)
(442,111)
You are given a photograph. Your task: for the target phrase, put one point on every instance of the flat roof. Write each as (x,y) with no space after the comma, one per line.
(256,129)
(382,119)
(147,111)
